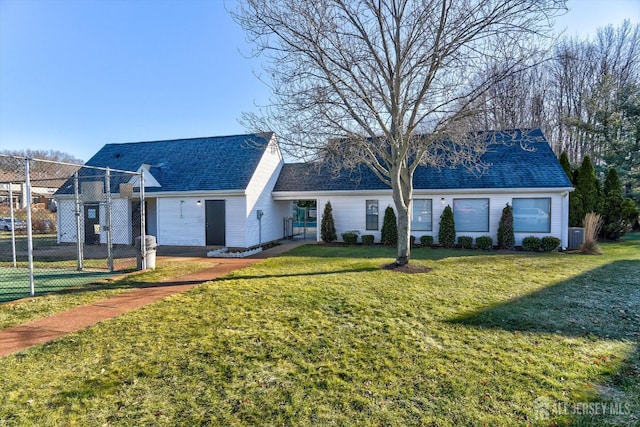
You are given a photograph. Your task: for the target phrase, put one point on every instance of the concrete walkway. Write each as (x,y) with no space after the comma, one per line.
(46,329)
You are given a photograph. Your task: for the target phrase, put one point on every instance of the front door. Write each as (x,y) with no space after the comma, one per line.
(215,222)
(92,224)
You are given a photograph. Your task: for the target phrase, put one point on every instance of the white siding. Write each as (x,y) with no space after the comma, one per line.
(120,222)
(180,221)
(236,220)
(270,227)
(67,221)
(349,212)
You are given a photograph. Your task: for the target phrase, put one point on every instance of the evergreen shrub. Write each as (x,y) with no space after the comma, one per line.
(350,238)
(367,239)
(484,243)
(389,232)
(327,226)
(426,240)
(447,232)
(465,242)
(549,243)
(531,243)
(506,238)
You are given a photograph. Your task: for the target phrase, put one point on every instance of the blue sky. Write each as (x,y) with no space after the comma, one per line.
(78,74)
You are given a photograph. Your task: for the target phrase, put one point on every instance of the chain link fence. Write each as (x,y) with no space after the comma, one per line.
(64,225)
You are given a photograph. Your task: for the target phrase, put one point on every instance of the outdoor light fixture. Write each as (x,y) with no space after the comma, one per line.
(181,203)
(442,201)
(198,203)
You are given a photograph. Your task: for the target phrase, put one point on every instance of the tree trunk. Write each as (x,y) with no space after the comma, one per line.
(404,231)
(402,186)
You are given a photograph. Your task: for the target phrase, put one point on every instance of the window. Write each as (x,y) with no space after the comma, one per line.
(532,215)
(471,214)
(372,214)
(421,215)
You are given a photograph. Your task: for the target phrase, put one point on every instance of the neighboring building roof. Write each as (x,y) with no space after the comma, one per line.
(511,166)
(196,164)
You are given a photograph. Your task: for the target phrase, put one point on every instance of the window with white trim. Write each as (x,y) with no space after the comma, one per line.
(372,215)
(421,216)
(471,214)
(532,215)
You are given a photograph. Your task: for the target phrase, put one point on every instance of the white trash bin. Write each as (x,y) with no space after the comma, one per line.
(150,250)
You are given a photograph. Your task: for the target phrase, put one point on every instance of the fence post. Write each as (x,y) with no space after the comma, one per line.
(107,185)
(13,228)
(76,193)
(143,236)
(27,180)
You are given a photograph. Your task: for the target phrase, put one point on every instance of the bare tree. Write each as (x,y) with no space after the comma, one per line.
(12,164)
(389,83)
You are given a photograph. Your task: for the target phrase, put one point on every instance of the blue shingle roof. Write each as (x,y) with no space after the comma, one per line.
(511,167)
(197,164)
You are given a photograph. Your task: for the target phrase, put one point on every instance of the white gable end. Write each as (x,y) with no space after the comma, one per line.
(149,180)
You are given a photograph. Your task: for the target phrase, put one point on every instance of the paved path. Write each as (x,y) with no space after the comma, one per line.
(46,329)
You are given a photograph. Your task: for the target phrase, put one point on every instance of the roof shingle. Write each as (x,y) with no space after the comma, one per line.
(511,166)
(197,164)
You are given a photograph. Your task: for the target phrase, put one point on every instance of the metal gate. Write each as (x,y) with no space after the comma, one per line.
(64,225)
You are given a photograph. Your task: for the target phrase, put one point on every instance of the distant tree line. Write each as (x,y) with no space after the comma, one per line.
(586,99)
(13,166)
(619,213)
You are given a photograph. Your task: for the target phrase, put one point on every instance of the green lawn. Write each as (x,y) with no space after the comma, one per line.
(74,294)
(325,337)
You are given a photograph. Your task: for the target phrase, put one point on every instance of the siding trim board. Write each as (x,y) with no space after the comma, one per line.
(292,195)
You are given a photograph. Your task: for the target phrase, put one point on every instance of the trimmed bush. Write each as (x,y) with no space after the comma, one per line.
(531,243)
(367,239)
(350,238)
(327,226)
(447,231)
(389,232)
(506,238)
(426,240)
(549,243)
(466,242)
(484,242)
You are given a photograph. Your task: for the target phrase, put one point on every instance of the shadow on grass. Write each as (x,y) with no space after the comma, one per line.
(336,250)
(134,282)
(603,303)
(306,274)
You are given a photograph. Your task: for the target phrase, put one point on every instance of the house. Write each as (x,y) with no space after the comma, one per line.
(12,186)
(524,173)
(199,192)
(236,191)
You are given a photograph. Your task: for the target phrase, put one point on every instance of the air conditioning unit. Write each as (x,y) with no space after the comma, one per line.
(576,237)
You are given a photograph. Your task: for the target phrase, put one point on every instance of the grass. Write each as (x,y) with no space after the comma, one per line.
(27,309)
(325,337)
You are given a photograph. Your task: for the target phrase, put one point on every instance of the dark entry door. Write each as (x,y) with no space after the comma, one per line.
(215,222)
(92,224)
